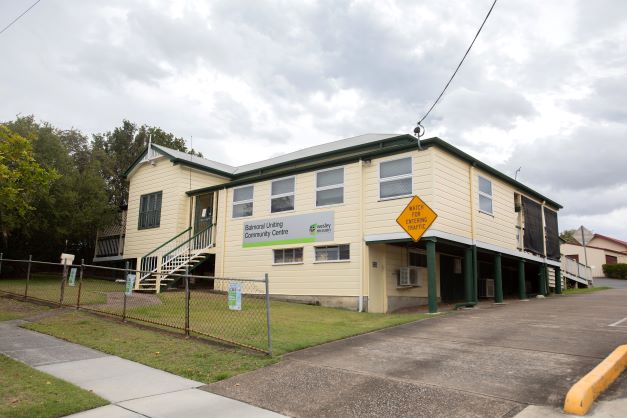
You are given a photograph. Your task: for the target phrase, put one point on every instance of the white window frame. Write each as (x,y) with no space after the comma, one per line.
(293,193)
(338,254)
(331,187)
(403,176)
(239,202)
(302,261)
(489,196)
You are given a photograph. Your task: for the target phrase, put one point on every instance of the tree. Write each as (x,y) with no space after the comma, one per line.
(119,148)
(77,203)
(22,181)
(568,235)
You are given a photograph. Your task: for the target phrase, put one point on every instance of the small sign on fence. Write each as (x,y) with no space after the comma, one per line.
(235,296)
(72,279)
(130,284)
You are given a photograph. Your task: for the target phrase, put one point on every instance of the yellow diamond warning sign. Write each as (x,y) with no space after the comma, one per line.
(416,218)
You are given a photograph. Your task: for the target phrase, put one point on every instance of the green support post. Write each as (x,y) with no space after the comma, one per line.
(469,296)
(541,277)
(431,290)
(498,279)
(475,274)
(558,281)
(522,291)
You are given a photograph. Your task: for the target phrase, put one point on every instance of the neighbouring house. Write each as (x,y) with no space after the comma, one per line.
(599,250)
(322,223)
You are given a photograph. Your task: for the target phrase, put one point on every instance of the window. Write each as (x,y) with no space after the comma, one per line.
(395,178)
(330,187)
(417,260)
(150,210)
(611,259)
(485,195)
(288,256)
(282,195)
(333,253)
(243,201)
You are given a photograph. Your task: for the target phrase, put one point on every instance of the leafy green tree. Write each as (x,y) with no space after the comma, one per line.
(119,148)
(568,235)
(77,205)
(22,182)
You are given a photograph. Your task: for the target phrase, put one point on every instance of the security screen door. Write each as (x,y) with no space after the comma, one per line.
(204,212)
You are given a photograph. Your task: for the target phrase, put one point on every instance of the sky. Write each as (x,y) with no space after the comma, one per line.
(543,89)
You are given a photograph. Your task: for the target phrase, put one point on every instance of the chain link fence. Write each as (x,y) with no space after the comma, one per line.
(234,311)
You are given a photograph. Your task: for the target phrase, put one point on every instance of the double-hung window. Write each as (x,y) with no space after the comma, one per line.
(282,195)
(243,201)
(333,253)
(485,195)
(288,256)
(150,210)
(330,187)
(395,178)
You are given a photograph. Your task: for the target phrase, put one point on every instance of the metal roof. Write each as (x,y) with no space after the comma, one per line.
(185,157)
(315,150)
(340,147)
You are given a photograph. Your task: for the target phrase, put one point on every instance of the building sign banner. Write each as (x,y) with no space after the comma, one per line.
(72,278)
(298,229)
(235,296)
(130,284)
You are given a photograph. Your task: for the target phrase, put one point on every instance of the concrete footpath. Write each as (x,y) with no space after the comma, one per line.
(133,389)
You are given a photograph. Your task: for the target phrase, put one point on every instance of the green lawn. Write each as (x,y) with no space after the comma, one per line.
(26,392)
(48,287)
(294,326)
(16,309)
(585,290)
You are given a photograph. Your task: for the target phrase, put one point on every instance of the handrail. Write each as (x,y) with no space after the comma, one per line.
(189,240)
(167,242)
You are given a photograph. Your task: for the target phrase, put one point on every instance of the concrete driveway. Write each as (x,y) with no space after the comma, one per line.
(487,362)
(615,283)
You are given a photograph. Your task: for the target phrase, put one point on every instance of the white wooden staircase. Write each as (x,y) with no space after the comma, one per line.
(173,257)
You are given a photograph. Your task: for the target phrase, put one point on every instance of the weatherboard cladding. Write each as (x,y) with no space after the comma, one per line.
(333,153)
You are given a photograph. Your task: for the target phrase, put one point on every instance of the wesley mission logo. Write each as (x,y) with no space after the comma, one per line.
(312,229)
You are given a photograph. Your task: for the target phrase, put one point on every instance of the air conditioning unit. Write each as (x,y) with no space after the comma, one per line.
(409,277)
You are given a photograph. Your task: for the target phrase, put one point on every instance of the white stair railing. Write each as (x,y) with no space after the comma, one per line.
(180,256)
(174,255)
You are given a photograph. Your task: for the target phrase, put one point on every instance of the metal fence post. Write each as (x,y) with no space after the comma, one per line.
(1,255)
(187,297)
(63,281)
(124,292)
(30,261)
(80,284)
(268,314)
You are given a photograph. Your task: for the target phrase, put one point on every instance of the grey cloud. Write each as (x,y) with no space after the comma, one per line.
(607,100)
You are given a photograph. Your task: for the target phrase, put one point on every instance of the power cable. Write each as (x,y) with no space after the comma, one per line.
(419,124)
(18,18)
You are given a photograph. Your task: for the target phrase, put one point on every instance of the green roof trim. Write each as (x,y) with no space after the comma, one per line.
(388,146)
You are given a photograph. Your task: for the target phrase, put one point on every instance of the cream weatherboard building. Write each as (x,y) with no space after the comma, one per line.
(321,222)
(599,250)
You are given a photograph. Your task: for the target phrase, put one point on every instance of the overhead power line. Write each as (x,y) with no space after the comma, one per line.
(19,17)
(459,65)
